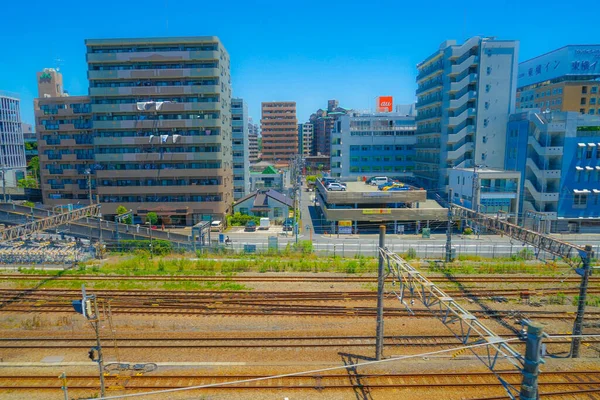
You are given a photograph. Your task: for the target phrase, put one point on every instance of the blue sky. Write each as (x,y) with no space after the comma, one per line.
(305,51)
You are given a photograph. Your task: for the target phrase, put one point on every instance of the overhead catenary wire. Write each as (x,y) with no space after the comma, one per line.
(348,366)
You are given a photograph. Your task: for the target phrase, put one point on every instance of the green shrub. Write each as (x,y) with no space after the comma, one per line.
(468,231)
(239,219)
(159,247)
(411,253)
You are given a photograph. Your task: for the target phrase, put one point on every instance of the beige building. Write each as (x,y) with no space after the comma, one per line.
(162,126)
(565,79)
(63,128)
(279,127)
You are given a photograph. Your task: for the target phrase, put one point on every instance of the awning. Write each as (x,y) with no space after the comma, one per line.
(592,144)
(578,168)
(581,144)
(260,209)
(596,191)
(581,191)
(589,168)
(597,167)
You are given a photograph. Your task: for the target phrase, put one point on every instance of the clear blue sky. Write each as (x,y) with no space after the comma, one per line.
(306,51)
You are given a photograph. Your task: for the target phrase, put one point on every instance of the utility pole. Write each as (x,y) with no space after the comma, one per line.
(100,360)
(380,288)
(531,368)
(449,229)
(585,276)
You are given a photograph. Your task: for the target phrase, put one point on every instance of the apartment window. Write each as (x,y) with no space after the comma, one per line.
(366,148)
(580,200)
(594,89)
(458,180)
(488,70)
(399,148)
(276,212)
(588,153)
(584,90)
(487,88)
(592,100)
(560,90)
(582,110)
(583,101)
(543,94)
(487,105)
(577,176)
(591,112)
(548,93)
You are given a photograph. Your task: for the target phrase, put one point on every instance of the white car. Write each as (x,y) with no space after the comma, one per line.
(336,187)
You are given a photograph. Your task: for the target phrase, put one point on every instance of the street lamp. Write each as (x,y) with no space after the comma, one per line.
(150,230)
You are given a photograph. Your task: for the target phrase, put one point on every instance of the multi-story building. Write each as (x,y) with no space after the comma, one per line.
(162,126)
(279,132)
(323,122)
(373,144)
(252,141)
(241,156)
(12,147)
(494,191)
(559,158)
(566,79)
(465,95)
(305,139)
(30,140)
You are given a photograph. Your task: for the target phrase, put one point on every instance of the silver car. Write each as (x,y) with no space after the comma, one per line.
(336,187)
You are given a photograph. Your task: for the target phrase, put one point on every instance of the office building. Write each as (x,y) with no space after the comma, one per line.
(465,95)
(162,126)
(241,149)
(12,148)
(279,132)
(497,192)
(323,122)
(365,145)
(566,79)
(559,158)
(305,139)
(252,141)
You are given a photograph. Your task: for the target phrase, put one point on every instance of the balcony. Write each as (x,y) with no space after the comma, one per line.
(468,113)
(155,73)
(176,56)
(430,100)
(437,66)
(428,115)
(462,100)
(455,154)
(541,173)
(428,85)
(464,132)
(544,151)
(463,65)
(145,140)
(463,83)
(538,195)
(154,90)
(158,124)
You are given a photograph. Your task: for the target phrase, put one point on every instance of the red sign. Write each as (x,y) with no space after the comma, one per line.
(385,103)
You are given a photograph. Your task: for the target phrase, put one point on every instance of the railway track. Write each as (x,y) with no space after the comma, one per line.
(573,382)
(244,342)
(318,279)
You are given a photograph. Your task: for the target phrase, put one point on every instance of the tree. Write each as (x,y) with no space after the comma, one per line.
(34,167)
(28,183)
(122,210)
(152,218)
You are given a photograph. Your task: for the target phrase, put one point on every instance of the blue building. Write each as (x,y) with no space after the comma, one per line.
(558,155)
(373,144)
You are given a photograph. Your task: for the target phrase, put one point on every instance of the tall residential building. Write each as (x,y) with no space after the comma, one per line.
(241,149)
(279,131)
(323,122)
(373,144)
(566,79)
(252,141)
(12,148)
(305,139)
(162,126)
(558,155)
(465,95)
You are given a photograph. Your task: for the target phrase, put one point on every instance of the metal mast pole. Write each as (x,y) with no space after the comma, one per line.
(531,367)
(100,360)
(380,288)
(449,229)
(578,325)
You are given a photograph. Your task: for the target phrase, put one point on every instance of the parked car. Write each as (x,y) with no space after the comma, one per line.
(265,223)
(250,226)
(327,181)
(393,185)
(216,226)
(288,224)
(398,188)
(336,187)
(378,180)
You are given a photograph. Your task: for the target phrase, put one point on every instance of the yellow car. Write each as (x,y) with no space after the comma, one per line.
(393,185)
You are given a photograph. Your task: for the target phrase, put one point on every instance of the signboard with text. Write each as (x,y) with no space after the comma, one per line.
(568,60)
(345,227)
(371,211)
(385,103)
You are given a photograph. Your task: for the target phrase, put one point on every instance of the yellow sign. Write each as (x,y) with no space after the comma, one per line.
(376,211)
(344,223)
